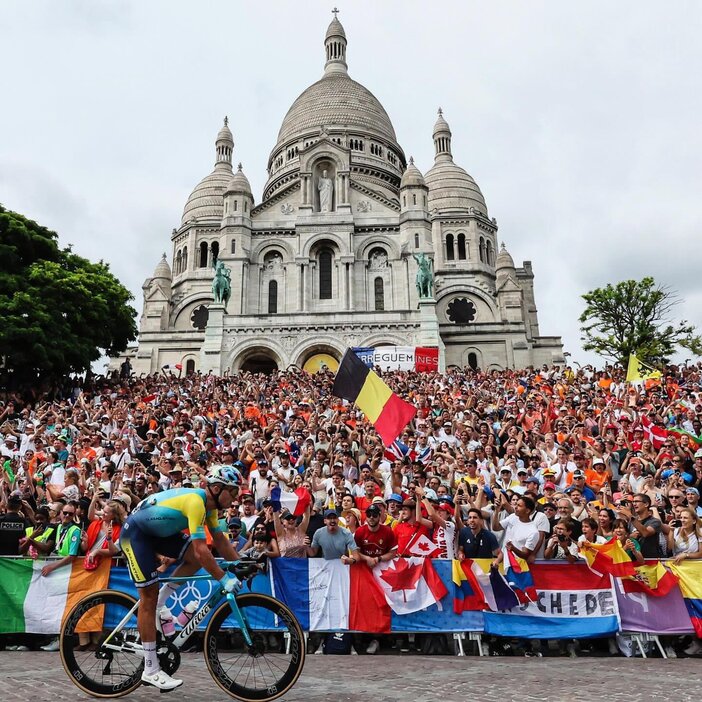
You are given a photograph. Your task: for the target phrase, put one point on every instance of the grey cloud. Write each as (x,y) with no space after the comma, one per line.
(579,123)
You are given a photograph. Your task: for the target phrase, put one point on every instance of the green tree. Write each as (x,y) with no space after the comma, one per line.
(59,312)
(634,317)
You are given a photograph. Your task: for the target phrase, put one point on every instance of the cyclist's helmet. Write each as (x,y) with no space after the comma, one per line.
(225,475)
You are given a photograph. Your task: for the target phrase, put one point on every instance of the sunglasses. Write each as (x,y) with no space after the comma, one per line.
(67,514)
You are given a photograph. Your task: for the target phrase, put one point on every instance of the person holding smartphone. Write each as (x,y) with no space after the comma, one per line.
(561,546)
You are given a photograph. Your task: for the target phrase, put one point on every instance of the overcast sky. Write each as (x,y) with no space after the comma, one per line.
(580,122)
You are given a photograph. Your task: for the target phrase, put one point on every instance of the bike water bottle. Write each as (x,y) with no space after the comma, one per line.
(187,613)
(167,622)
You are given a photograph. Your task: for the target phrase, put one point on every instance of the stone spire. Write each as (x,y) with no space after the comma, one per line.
(225,145)
(442,139)
(335,48)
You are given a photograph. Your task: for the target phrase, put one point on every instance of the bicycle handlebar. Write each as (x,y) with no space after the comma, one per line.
(246,568)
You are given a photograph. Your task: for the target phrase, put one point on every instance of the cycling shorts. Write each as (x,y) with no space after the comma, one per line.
(142,552)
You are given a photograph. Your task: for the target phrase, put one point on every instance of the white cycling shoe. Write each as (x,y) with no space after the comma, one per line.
(162,680)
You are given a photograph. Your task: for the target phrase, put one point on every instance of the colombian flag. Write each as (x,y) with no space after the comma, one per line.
(356,383)
(519,578)
(609,559)
(467,594)
(690,583)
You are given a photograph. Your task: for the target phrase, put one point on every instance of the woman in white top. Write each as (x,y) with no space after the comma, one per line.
(685,541)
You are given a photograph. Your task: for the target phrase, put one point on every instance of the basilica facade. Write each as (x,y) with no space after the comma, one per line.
(328,257)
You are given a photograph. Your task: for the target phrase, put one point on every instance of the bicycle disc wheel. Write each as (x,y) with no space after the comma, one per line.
(114,668)
(271,665)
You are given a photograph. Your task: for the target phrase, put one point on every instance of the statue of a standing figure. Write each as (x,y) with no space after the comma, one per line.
(326,191)
(221,284)
(425,278)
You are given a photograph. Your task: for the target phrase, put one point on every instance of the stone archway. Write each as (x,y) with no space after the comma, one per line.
(319,357)
(257,359)
(259,363)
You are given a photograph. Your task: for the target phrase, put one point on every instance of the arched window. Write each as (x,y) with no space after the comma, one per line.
(416,240)
(414,199)
(489,254)
(185,260)
(233,246)
(379,290)
(481,250)
(236,205)
(473,361)
(273,297)
(325,274)
(189,366)
(215,252)
(178,262)
(462,247)
(203,255)
(449,247)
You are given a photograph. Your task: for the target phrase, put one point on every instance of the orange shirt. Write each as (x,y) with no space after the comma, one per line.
(596,479)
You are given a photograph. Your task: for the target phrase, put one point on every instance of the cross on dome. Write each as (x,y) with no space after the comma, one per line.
(335,12)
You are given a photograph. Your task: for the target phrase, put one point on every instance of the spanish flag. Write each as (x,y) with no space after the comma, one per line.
(356,383)
(609,559)
(652,578)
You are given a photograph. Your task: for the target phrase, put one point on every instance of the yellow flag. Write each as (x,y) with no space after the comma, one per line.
(635,371)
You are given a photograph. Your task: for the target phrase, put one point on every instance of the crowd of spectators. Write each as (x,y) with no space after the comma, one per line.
(537,461)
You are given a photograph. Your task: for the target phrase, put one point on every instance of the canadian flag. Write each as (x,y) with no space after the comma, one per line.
(655,434)
(409,584)
(422,546)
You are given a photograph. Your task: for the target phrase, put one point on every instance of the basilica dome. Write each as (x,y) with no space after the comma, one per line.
(344,110)
(450,187)
(206,201)
(336,101)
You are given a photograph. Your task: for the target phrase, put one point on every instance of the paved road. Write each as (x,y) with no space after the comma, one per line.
(39,677)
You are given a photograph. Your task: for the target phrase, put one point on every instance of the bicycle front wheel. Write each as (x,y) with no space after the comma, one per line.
(268,667)
(109,665)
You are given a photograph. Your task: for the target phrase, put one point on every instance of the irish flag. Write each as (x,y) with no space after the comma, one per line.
(36,604)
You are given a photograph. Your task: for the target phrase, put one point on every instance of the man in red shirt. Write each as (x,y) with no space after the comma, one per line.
(376,543)
(412,529)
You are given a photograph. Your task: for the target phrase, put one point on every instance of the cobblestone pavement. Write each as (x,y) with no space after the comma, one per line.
(39,677)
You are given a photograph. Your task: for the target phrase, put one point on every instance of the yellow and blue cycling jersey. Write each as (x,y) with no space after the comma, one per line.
(170,512)
(157,527)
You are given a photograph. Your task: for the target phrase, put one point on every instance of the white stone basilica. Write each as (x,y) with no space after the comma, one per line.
(327,259)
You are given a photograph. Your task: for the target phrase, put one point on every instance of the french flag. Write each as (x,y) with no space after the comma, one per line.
(330,596)
(295,502)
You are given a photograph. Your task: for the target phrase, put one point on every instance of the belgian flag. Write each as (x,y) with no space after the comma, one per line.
(357,383)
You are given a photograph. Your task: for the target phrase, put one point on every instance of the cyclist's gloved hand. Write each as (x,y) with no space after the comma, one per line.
(230,583)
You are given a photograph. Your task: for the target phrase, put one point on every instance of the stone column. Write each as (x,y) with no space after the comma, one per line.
(244,287)
(211,352)
(429,329)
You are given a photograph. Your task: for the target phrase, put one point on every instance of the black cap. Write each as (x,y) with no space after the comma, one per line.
(373,511)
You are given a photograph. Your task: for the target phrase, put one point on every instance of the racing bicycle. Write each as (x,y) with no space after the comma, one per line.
(253,644)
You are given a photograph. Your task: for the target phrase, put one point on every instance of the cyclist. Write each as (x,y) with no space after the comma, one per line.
(156,528)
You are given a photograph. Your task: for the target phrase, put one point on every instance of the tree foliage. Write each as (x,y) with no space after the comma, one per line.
(59,311)
(634,317)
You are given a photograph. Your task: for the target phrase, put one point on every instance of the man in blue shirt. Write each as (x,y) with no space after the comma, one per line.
(475,541)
